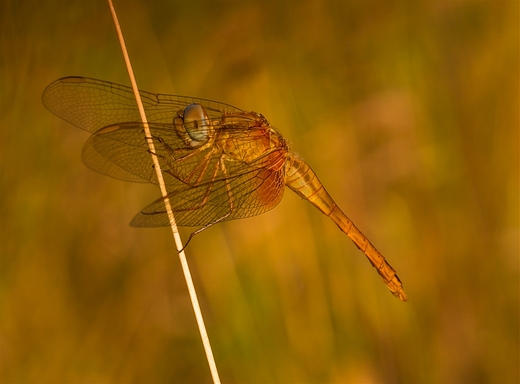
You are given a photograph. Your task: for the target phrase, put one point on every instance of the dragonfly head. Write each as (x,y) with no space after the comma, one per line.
(193,125)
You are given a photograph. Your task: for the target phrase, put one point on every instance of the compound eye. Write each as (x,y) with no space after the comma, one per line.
(196,123)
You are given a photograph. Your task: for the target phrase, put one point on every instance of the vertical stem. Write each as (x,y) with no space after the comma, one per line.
(164,192)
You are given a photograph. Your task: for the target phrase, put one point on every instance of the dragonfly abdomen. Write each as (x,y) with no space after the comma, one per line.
(302,180)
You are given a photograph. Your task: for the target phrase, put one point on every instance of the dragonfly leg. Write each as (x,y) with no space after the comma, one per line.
(230,200)
(195,176)
(207,193)
(199,171)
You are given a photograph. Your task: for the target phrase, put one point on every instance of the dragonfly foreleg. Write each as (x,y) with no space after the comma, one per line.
(230,200)
(174,161)
(195,176)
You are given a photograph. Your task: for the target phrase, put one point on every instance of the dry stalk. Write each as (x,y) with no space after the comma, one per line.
(164,192)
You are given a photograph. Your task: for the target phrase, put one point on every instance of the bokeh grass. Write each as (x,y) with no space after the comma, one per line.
(408,112)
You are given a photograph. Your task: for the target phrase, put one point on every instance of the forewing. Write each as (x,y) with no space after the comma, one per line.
(121,151)
(92,104)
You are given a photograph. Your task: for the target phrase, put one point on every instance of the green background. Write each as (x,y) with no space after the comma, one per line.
(407,111)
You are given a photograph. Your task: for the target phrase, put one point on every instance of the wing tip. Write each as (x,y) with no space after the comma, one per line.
(72,79)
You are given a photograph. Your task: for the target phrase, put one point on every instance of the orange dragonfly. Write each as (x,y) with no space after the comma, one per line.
(219,162)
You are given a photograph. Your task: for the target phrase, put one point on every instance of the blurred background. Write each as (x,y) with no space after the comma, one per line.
(407,111)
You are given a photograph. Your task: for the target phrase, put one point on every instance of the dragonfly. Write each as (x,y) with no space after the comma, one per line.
(218,162)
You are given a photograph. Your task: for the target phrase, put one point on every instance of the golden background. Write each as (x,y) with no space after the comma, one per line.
(407,111)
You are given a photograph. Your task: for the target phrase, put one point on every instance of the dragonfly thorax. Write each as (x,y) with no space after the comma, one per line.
(193,125)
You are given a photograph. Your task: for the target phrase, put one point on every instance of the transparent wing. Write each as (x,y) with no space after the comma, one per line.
(245,191)
(92,104)
(121,151)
